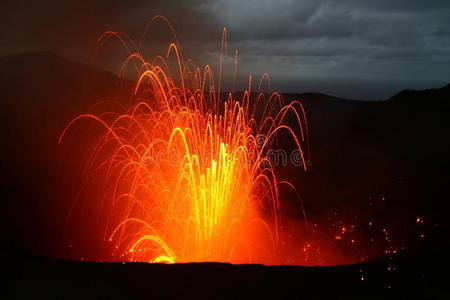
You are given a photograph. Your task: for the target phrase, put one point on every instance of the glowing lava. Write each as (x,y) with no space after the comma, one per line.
(187,172)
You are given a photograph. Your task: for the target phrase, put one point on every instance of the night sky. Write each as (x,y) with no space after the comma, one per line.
(355,48)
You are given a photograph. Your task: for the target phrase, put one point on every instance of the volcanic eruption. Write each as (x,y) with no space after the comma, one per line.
(186,167)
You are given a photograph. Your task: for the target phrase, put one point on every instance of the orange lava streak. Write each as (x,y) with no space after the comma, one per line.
(188,179)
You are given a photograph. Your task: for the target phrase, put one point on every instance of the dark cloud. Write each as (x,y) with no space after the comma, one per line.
(320,41)
(73,26)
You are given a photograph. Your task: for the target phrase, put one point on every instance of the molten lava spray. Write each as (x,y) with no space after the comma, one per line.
(187,172)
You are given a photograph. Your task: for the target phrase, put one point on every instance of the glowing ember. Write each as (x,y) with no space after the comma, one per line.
(187,168)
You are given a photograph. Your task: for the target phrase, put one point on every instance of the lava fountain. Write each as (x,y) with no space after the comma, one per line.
(187,167)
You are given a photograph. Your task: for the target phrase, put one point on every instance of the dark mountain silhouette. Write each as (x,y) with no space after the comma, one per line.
(436,96)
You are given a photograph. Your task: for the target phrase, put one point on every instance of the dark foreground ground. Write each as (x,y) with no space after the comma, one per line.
(43,278)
